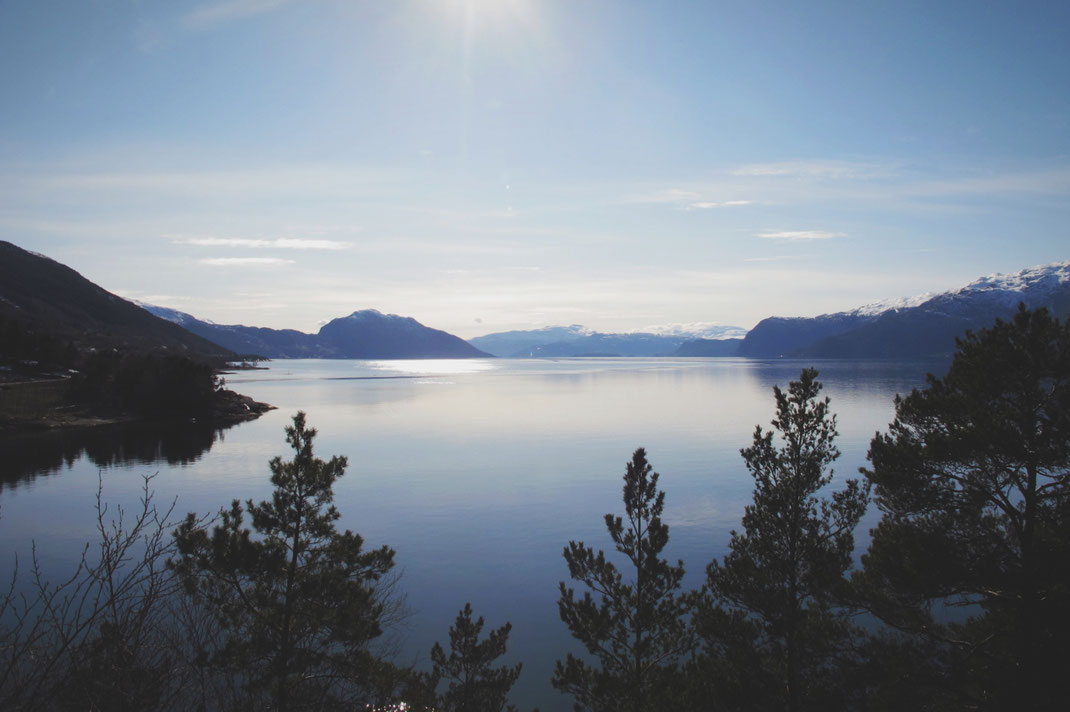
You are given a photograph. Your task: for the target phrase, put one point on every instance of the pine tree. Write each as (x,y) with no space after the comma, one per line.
(973,480)
(298,601)
(473,684)
(769,618)
(636,630)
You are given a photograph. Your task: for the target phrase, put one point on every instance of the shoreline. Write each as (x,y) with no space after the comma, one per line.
(230,408)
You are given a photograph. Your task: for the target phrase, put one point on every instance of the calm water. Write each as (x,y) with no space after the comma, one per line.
(477,472)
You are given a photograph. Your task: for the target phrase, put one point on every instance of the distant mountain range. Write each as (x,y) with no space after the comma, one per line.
(366,334)
(575,340)
(51,298)
(918,327)
(54,299)
(923,326)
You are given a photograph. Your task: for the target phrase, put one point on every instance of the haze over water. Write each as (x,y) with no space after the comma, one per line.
(479,472)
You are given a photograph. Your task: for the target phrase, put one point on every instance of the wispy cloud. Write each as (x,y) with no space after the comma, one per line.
(248,182)
(799,235)
(857,185)
(668,195)
(211,14)
(706,204)
(279,243)
(773,258)
(816,169)
(684,199)
(1044,182)
(244,261)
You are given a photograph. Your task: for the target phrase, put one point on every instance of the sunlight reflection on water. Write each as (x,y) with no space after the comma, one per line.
(477,472)
(434,367)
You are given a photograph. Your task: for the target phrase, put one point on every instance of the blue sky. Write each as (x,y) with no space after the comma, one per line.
(484,165)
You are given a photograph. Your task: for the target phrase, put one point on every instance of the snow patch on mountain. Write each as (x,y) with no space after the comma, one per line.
(364,314)
(1031,285)
(1039,280)
(694,330)
(557,331)
(878,308)
(172,315)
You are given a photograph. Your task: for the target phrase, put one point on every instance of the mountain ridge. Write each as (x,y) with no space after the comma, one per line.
(921,326)
(915,327)
(363,334)
(53,298)
(577,340)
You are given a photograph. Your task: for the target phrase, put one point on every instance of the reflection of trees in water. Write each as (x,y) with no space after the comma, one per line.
(27,455)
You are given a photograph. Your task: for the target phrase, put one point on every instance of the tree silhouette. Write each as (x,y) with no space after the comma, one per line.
(298,601)
(769,619)
(973,550)
(636,630)
(473,685)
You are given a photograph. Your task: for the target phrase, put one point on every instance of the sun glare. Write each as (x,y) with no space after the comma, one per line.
(493,12)
(434,367)
(490,19)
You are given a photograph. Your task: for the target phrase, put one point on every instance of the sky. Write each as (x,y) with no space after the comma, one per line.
(487,165)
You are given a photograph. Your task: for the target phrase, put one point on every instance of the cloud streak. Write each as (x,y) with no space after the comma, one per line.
(684,199)
(828,169)
(245,261)
(774,258)
(800,235)
(706,205)
(266,182)
(279,243)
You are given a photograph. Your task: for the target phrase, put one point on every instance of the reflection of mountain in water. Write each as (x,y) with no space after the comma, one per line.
(27,455)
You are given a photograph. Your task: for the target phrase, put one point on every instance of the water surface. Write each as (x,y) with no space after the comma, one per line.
(478,472)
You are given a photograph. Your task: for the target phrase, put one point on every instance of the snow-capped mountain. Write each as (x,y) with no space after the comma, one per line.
(695,330)
(921,326)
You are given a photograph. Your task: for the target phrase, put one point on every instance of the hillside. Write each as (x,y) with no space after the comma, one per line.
(708,348)
(52,298)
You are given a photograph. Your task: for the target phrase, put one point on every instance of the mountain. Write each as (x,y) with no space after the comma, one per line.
(52,298)
(638,344)
(575,340)
(708,348)
(520,344)
(245,340)
(371,334)
(362,334)
(923,326)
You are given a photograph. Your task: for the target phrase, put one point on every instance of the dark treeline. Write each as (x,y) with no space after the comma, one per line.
(20,342)
(114,382)
(961,602)
(144,384)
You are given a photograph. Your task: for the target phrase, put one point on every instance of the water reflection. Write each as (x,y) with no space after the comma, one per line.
(27,456)
(530,450)
(434,367)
